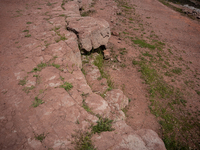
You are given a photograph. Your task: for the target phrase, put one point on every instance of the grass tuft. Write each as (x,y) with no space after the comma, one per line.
(40,137)
(177,70)
(82,140)
(27,89)
(67,86)
(28,35)
(56,65)
(37,102)
(99,63)
(85,106)
(22,82)
(103,124)
(142,43)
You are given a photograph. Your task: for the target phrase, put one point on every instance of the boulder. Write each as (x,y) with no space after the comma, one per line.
(91,32)
(98,105)
(117,98)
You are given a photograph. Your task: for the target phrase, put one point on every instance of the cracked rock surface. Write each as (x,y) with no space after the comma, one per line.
(92,33)
(42,85)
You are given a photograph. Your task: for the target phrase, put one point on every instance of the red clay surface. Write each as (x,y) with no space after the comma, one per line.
(178,32)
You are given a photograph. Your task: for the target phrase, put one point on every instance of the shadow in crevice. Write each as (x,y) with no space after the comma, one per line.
(99,50)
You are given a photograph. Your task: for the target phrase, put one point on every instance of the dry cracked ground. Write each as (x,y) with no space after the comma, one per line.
(98,75)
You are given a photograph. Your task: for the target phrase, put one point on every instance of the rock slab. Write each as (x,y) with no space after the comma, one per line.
(91,32)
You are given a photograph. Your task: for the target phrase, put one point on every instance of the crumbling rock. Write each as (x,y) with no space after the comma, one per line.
(92,33)
(117,97)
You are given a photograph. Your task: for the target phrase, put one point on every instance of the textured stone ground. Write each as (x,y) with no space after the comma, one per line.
(38,55)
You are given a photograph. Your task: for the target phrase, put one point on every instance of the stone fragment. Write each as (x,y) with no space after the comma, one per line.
(94,79)
(116,96)
(91,32)
(106,54)
(115,33)
(151,139)
(35,144)
(119,59)
(98,105)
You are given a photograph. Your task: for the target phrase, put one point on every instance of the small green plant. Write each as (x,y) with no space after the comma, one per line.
(87,13)
(22,82)
(39,67)
(99,63)
(62,15)
(109,89)
(123,65)
(125,110)
(183,102)
(85,106)
(169,50)
(62,37)
(83,71)
(82,140)
(61,78)
(131,19)
(134,62)
(28,35)
(77,121)
(147,54)
(62,5)
(172,80)
(55,29)
(198,92)
(103,124)
(67,86)
(38,79)
(40,137)
(127,7)
(168,74)
(27,89)
(29,23)
(35,75)
(99,78)
(125,32)
(49,4)
(142,43)
(37,102)
(122,51)
(26,31)
(177,70)
(84,94)
(56,65)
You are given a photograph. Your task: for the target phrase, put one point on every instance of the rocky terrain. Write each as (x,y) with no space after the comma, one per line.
(68,79)
(45,98)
